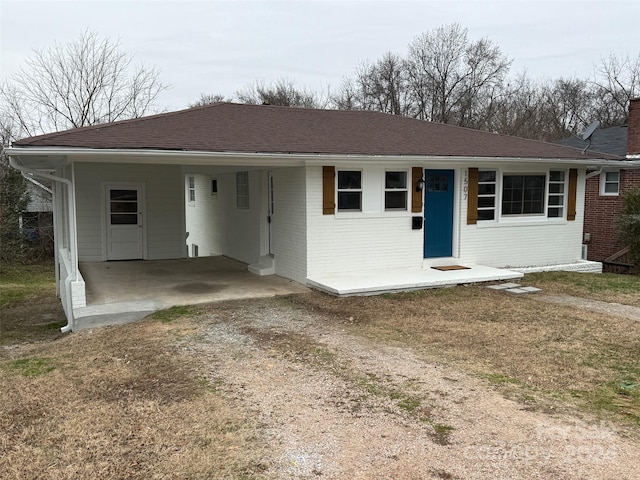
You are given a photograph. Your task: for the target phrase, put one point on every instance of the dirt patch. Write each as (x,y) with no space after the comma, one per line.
(338,405)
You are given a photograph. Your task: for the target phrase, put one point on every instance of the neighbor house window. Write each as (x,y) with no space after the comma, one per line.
(610,183)
(395,191)
(192,189)
(349,190)
(555,198)
(523,194)
(214,187)
(242,190)
(486,195)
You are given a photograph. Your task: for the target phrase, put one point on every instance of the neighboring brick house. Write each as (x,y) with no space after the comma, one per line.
(604,191)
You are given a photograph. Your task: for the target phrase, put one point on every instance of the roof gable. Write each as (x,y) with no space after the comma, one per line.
(228,127)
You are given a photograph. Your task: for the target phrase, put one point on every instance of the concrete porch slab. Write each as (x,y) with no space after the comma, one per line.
(121,292)
(397,280)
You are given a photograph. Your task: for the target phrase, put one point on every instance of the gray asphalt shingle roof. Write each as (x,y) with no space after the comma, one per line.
(612,140)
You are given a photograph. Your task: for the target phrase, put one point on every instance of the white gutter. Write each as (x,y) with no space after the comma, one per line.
(196,157)
(73,246)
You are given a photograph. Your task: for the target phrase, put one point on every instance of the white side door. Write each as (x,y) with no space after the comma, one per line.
(124,215)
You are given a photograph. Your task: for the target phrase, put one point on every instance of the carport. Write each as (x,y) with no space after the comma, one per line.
(126,291)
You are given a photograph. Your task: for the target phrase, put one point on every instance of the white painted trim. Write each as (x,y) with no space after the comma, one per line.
(143,201)
(278,159)
(603,182)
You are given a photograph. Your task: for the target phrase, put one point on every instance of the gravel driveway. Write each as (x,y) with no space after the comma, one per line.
(337,406)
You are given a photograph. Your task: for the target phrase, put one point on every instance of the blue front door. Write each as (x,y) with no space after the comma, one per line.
(438,213)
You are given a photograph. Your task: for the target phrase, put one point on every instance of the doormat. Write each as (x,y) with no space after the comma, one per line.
(446,268)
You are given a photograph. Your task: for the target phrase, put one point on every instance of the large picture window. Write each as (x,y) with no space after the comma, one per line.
(523,194)
(395,191)
(350,190)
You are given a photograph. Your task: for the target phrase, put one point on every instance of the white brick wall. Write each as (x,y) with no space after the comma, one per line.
(164,207)
(289,226)
(240,228)
(358,241)
(202,216)
(378,240)
(523,244)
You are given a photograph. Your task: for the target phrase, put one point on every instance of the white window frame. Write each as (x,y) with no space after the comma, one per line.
(563,195)
(541,218)
(349,190)
(191,189)
(242,190)
(405,190)
(487,195)
(542,214)
(604,182)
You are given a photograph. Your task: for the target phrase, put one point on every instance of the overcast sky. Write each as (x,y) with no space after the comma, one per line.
(219,47)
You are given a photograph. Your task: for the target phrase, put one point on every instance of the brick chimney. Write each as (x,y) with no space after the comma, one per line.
(633,127)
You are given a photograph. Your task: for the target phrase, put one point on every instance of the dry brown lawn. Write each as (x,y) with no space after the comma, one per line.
(548,356)
(129,402)
(117,403)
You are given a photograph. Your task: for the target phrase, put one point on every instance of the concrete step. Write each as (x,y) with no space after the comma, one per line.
(266,266)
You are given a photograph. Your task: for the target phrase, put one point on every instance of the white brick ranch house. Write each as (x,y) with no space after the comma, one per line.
(307,194)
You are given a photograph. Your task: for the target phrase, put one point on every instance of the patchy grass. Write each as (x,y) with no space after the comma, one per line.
(608,287)
(170,314)
(25,282)
(545,355)
(29,308)
(31,367)
(442,433)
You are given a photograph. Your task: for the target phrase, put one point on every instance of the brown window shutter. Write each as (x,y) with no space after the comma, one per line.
(573,191)
(472,197)
(328,190)
(416,196)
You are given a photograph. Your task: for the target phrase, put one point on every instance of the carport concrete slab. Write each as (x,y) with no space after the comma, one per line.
(132,289)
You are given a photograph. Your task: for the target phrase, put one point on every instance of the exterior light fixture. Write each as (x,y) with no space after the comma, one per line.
(420,185)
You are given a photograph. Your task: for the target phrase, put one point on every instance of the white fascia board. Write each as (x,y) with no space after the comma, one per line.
(479,161)
(190,157)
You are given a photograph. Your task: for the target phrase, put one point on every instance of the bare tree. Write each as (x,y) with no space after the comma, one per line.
(208,99)
(281,92)
(617,80)
(86,82)
(379,86)
(452,80)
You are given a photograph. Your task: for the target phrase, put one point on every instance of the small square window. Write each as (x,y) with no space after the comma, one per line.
(610,183)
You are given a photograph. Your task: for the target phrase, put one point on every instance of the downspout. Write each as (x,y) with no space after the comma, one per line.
(594,174)
(73,245)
